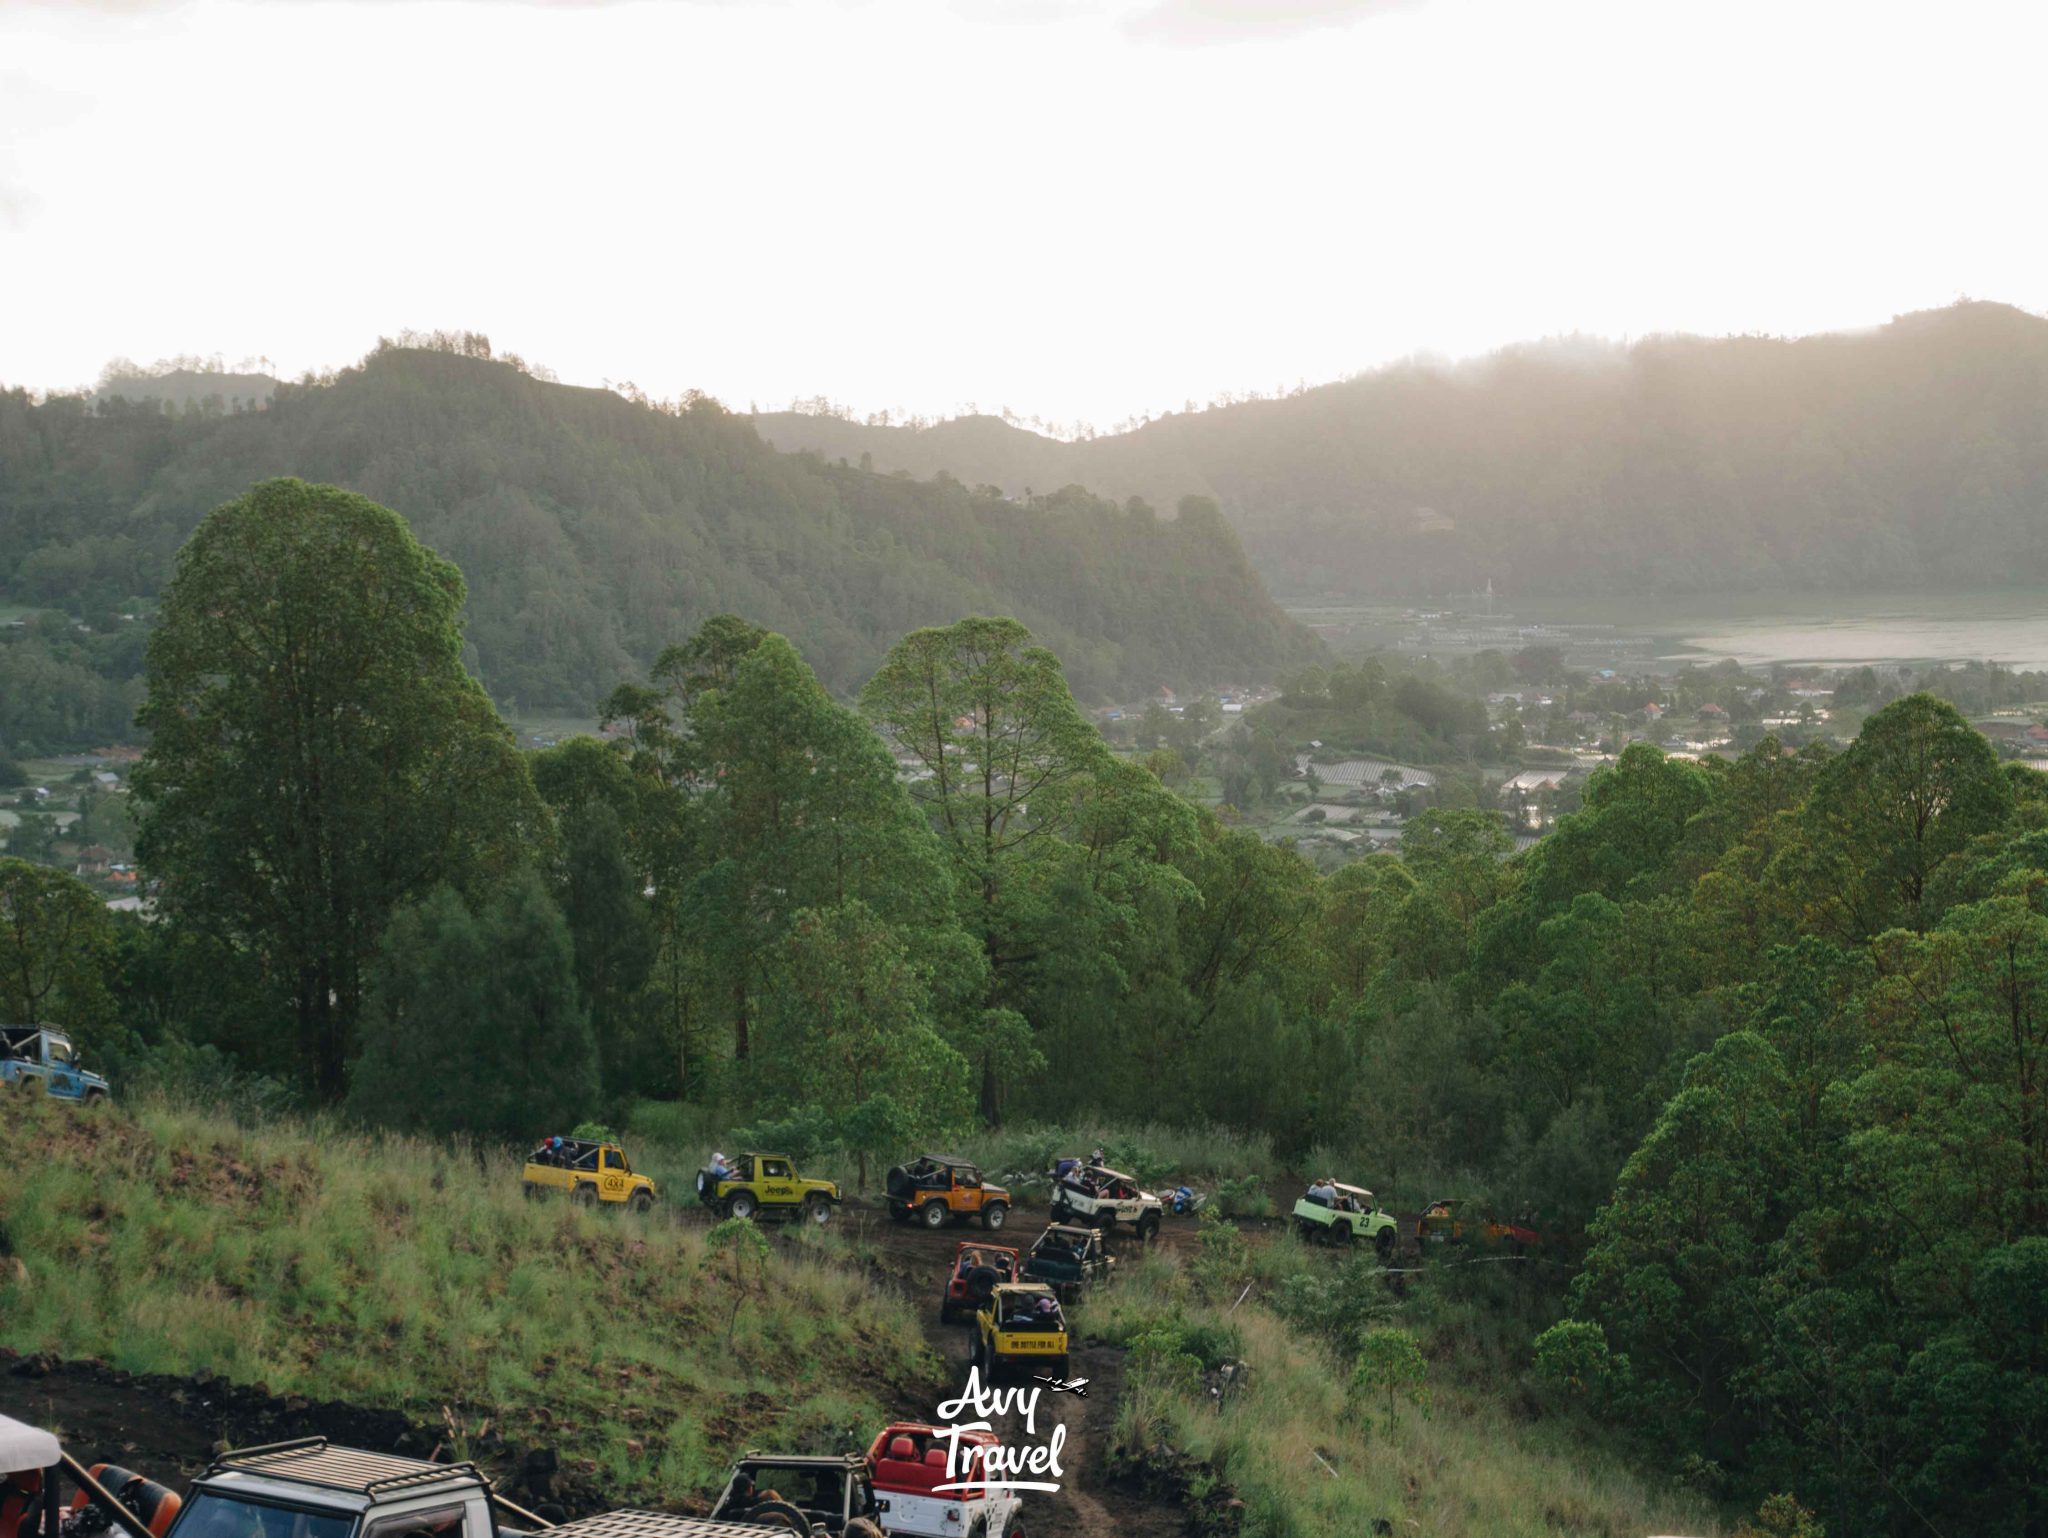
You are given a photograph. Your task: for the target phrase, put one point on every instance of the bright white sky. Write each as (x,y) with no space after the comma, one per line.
(1079,210)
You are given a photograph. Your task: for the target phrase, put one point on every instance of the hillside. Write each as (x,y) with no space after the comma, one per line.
(1913,456)
(595,530)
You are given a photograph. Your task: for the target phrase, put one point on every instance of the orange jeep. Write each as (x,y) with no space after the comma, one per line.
(937,1190)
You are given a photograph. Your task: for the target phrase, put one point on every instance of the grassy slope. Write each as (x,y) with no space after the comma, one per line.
(1308,1457)
(403,1274)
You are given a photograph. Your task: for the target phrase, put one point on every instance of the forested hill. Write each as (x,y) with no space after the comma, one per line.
(1912,456)
(595,530)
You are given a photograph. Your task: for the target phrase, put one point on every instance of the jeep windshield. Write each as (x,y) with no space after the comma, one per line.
(808,1489)
(210,1514)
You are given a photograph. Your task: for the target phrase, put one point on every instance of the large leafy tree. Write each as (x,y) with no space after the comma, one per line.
(56,947)
(318,753)
(474,1024)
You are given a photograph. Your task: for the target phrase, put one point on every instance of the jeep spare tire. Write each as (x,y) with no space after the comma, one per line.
(981,1282)
(899,1183)
(780,1514)
(704,1185)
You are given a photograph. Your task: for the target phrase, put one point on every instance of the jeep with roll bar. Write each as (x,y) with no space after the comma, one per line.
(309,1488)
(588,1171)
(1069,1259)
(1103,1198)
(40,1060)
(978,1269)
(833,1494)
(1352,1212)
(937,1189)
(765,1185)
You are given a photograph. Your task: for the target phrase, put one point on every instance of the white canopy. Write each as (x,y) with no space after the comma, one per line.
(24,1447)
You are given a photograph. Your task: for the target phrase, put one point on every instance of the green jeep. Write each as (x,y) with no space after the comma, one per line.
(1353,1215)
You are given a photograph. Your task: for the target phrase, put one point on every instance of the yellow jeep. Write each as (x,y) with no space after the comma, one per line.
(1020,1326)
(759,1184)
(589,1172)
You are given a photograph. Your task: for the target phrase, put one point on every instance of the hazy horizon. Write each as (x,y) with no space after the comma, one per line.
(1077,212)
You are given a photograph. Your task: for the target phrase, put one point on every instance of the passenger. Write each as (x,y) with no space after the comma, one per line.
(1323,1193)
(1097,1159)
(720,1170)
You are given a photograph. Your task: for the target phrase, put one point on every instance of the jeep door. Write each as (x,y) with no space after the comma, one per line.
(611,1179)
(777,1182)
(64,1078)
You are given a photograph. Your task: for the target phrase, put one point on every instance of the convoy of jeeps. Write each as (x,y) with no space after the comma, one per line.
(914,1479)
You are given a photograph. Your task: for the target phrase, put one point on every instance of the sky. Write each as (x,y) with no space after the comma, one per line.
(1077,211)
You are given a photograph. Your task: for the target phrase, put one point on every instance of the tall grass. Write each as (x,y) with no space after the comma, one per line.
(1309,1456)
(409,1274)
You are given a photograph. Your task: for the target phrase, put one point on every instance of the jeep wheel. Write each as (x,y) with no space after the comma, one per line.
(584,1195)
(934,1213)
(1148,1228)
(1342,1233)
(95,1096)
(640,1202)
(993,1214)
(860,1527)
(741,1205)
(818,1210)
(1385,1241)
(704,1186)
(945,1311)
(898,1182)
(1060,1211)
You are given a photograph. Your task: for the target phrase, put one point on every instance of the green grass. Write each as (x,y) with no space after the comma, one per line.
(1309,1456)
(413,1275)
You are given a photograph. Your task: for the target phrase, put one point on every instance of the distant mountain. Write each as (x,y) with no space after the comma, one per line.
(594,530)
(1915,455)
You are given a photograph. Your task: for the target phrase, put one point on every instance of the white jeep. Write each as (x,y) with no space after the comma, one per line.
(1102,1198)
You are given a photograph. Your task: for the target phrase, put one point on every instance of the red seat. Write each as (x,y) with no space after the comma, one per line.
(902,1450)
(895,1474)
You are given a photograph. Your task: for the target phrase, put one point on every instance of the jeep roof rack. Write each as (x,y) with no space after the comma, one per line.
(951,1161)
(312,1461)
(803,1460)
(656,1524)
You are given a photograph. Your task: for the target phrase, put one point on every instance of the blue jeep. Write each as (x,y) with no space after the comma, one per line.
(40,1058)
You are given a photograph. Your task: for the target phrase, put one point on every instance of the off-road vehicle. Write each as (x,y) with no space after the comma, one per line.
(766,1185)
(921,1496)
(937,1189)
(978,1269)
(1103,1198)
(587,1172)
(1069,1260)
(310,1489)
(832,1495)
(1020,1329)
(39,1059)
(1355,1214)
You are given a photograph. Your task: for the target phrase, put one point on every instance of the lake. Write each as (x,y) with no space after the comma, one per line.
(2005,625)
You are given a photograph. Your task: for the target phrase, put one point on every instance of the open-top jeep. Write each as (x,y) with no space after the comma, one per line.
(1103,1198)
(978,1269)
(1069,1259)
(588,1172)
(926,1484)
(831,1495)
(309,1489)
(1354,1214)
(1020,1327)
(39,1059)
(766,1185)
(1450,1220)
(937,1190)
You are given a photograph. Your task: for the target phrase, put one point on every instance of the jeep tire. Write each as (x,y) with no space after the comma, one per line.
(583,1194)
(1148,1227)
(934,1213)
(818,1209)
(640,1202)
(770,1514)
(742,1204)
(993,1214)
(1386,1241)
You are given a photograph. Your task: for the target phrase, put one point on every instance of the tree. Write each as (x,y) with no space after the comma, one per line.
(1915,787)
(56,947)
(850,1015)
(318,754)
(473,1022)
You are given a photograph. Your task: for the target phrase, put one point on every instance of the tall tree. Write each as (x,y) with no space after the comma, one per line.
(318,753)
(56,947)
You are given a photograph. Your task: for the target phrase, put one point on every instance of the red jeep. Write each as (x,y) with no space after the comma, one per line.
(978,1269)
